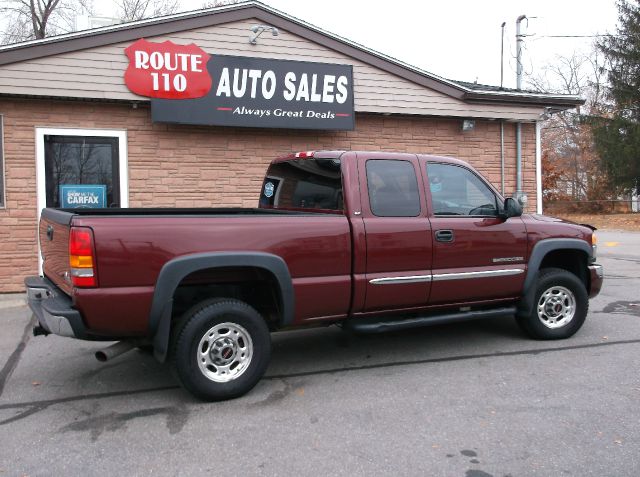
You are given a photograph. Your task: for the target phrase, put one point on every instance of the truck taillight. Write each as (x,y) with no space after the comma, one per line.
(305,154)
(81,257)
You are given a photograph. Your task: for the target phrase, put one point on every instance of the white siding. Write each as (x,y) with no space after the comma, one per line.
(98,73)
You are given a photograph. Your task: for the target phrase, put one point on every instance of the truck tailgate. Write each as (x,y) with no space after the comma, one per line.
(54,246)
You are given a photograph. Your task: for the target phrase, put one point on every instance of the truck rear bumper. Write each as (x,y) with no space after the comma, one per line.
(596,277)
(53,308)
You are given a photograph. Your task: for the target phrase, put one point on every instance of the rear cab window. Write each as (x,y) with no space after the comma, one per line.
(393,188)
(304,184)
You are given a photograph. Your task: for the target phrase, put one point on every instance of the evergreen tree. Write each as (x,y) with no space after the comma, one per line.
(617,137)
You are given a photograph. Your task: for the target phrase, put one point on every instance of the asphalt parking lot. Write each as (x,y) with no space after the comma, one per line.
(472,400)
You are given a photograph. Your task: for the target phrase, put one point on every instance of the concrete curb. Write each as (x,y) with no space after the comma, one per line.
(12,300)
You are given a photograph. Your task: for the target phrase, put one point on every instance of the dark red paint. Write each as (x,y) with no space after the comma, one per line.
(331,258)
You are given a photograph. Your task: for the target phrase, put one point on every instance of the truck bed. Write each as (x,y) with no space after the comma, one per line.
(132,246)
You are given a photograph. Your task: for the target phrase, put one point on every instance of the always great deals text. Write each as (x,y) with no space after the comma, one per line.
(279,112)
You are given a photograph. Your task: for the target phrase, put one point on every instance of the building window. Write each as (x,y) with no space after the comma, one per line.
(81,168)
(2,183)
(79,161)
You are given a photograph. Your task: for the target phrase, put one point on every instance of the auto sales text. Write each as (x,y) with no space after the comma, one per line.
(314,88)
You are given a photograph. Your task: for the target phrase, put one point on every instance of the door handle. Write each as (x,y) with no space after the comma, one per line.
(444,235)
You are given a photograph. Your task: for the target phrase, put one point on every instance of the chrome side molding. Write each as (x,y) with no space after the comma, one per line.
(397,280)
(445,276)
(481,274)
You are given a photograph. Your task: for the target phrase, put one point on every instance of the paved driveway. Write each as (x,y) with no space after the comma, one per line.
(475,400)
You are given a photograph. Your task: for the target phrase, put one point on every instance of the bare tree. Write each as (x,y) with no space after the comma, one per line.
(132,10)
(571,166)
(219,3)
(35,19)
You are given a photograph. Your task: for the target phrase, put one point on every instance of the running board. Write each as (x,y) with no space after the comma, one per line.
(381,325)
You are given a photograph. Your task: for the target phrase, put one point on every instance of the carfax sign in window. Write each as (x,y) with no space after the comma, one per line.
(83,196)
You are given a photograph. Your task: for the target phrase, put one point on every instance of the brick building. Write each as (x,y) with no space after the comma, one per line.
(67,99)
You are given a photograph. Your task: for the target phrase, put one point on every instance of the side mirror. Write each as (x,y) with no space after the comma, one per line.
(512,208)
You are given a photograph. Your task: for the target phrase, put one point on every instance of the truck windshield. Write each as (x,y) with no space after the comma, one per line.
(304,184)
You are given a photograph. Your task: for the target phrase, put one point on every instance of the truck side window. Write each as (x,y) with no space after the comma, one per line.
(393,188)
(458,191)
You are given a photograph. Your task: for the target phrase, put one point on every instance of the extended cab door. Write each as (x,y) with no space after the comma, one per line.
(477,256)
(398,236)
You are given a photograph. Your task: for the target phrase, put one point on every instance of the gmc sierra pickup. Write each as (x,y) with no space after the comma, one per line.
(369,240)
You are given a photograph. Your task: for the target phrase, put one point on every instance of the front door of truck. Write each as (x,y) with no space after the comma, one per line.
(477,255)
(398,237)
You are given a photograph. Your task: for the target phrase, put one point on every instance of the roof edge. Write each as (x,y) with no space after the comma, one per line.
(165,25)
(555,101)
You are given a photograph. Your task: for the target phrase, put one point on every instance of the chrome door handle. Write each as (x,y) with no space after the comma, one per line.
(444,235)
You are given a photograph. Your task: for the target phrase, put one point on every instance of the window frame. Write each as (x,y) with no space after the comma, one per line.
(498,198)
(120,134)
(3,169)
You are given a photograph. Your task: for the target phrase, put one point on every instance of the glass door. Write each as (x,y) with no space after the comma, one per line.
(82,171)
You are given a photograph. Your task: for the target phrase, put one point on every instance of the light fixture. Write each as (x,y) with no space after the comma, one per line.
(257,31)
(468,125)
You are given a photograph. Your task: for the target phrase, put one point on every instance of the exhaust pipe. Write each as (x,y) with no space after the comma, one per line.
(40,330)
(114,350)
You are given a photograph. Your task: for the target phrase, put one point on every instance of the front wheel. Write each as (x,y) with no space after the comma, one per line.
(560,307)
(222,350)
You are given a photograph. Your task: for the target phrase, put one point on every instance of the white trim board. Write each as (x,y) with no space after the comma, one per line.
(538,168)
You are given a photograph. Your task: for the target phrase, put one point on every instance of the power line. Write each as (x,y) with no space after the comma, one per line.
(576,36)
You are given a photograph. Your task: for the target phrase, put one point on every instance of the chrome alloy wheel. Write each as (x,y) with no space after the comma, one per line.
(556,307)
(224,352)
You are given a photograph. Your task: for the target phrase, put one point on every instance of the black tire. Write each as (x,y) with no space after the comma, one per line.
(556,279)
(201,336)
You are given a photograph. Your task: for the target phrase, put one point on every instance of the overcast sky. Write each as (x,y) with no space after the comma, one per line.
(458,39)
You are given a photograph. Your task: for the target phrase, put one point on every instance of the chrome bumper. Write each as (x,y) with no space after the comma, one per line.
(53,309)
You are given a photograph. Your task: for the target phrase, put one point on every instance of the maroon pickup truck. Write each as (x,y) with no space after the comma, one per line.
(371,241)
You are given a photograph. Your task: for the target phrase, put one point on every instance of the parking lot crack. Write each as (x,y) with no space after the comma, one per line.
(14,358)
(176,417)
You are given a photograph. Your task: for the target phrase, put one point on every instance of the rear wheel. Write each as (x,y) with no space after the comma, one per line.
(560,307)
(222,350)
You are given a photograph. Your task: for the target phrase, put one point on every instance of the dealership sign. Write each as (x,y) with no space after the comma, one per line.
(188,86)
(167,70)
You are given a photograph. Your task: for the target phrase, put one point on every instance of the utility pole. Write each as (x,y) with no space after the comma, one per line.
(502,56)
(502,121)
(519,39)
